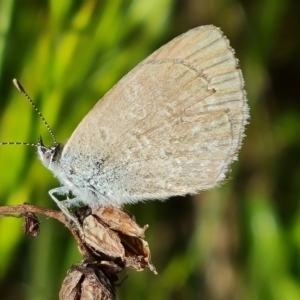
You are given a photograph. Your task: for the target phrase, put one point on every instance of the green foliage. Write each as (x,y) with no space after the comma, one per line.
(241,241)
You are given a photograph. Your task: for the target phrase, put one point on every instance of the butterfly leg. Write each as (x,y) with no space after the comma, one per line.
(64,204)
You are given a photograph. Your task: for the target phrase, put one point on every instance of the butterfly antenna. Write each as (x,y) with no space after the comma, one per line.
(22,90)
(18,143)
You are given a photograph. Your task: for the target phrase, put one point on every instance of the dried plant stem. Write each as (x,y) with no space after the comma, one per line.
(109,240)
(12,210)
(18,211)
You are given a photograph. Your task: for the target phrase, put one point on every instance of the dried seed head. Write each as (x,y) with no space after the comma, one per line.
(111,234)
(86,282)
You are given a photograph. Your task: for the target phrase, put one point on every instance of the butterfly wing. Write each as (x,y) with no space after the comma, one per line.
(172,126)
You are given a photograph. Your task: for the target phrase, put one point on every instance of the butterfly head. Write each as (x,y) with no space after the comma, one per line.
(48,155)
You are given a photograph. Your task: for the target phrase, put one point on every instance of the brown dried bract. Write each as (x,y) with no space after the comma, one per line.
(119,220)
(137,253)
(31,225)
(101,239)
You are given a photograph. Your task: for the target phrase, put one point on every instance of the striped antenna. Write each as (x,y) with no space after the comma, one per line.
(22,90)
(18,143)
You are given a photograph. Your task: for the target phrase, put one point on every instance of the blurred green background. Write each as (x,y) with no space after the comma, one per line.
(240,241)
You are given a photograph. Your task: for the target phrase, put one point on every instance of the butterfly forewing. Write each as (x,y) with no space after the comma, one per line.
(170,127)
